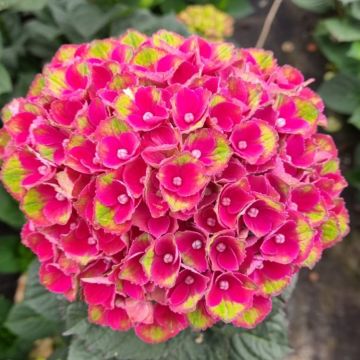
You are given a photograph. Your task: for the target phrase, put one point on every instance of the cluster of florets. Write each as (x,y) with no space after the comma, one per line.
(207,21)
(171,182)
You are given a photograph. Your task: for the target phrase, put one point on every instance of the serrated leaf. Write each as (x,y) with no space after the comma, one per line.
(341,93)
(28,324)
(78,350)
(9,210)
(76,319)
(268,341)
(222,342)
(39,299)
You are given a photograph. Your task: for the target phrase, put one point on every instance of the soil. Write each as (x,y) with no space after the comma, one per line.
(325,308)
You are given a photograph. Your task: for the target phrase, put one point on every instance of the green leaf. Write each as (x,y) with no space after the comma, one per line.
(1,44)
(21,87)
(6,4)
(341,93)
(5,83)
(268,341)
(354,51)
(8,254)
(353,177)
(76,319)
(221,342)
(87,20)
(172,6)
(9,210)
(144,21)
(316,6)
(29,5)
(49,305)
(38,29)
(336,52)
(41,314)
(236,8)
(355,117)
(5,306)
(28,324)
(78,350)
(343,30)
(355,10)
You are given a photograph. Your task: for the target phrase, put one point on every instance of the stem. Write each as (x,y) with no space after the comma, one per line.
(267,23)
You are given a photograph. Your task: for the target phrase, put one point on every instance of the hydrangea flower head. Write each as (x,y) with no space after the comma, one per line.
(171,182)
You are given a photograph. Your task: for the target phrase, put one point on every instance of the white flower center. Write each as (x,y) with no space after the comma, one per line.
(91,240)
(168,258)
(189,280)
(226,201)
(224,285)
(73,226)
(242,145)
(129,93)
(196,153)
(279,238)
(59,197)
(122,153)
(293,206)
(42,170)
(197,244)
(253,212)
(177,181)
(148,116)
(119,303)
(211,222)
(189,117)
(123,199)
(280,122)
(96,160)
(220,247)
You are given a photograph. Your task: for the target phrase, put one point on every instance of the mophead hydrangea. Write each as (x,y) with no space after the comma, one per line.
(170,182)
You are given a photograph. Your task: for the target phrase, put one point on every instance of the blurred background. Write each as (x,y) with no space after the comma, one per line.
(320,37)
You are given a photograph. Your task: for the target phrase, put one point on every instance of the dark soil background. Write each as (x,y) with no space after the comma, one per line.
(325,308)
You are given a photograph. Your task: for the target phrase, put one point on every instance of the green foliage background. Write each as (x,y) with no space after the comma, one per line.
(338,37)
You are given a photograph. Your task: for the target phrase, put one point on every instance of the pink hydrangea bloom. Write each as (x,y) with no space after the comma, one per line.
(171,182)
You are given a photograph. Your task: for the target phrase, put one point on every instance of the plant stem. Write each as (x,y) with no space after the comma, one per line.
(267,23)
